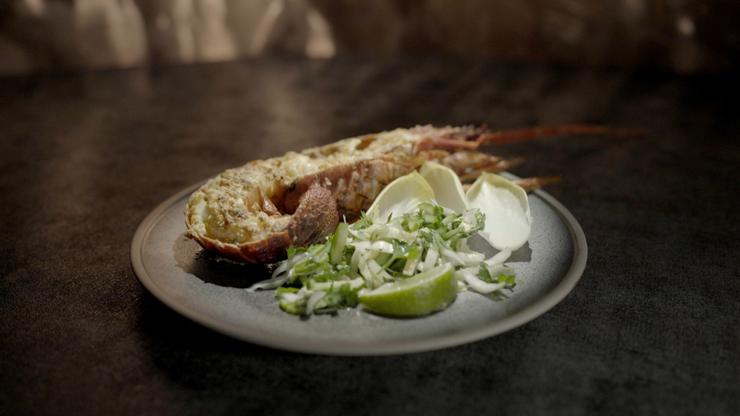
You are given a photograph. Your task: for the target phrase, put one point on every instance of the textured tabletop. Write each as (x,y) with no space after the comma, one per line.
(653,327)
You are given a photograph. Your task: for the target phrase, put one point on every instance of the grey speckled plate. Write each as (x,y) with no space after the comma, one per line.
(209,291)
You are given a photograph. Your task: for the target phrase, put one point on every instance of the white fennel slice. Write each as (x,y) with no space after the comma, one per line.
(505,204)
(400,196)
(448,191)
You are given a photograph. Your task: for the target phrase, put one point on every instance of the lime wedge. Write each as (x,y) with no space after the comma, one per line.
(427,292)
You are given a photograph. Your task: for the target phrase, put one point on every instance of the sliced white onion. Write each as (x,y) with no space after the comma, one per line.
(354,262)
(500,269)
(313,300)
(499,258)
(480,286)
(290,297)
(382,246)
(431,259)
(269,283)
(282,268)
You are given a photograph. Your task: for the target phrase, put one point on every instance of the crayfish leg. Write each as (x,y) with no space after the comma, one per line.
(532,184)
(470,165)
(315,217)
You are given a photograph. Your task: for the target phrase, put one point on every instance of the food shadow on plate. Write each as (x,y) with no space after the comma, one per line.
(214,268)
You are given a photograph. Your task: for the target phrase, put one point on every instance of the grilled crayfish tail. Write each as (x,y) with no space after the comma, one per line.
(315,217)
(265,251)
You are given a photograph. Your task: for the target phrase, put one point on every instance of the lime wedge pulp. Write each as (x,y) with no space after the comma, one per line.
(427,292)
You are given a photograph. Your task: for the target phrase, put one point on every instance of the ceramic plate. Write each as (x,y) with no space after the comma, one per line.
(210,291)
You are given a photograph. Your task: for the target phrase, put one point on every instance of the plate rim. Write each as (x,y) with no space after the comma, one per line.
(519,318)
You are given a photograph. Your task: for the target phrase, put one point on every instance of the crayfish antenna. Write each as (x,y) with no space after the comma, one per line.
(522,135)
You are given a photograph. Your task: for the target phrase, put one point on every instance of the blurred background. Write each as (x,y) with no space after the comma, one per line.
(684,36)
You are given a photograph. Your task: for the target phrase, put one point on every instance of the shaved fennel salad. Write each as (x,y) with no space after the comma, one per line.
(366,255)
(407,256)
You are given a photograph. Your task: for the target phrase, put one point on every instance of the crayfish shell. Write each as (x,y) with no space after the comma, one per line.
(249,213)
(230,214)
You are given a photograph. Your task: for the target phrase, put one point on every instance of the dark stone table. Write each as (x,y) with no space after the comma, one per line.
(652,328)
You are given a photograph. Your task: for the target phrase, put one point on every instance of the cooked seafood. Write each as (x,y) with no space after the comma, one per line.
(253,213)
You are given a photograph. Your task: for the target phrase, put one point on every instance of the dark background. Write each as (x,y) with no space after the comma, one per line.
(108,108)
(684,36)
(652,328)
